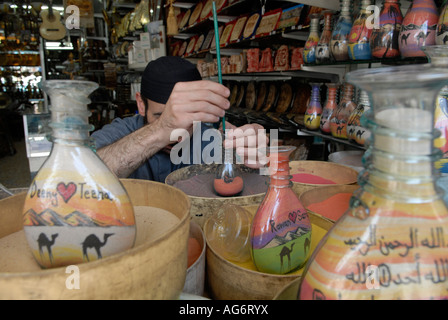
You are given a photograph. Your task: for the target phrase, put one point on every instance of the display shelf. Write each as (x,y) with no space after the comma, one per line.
(330,138)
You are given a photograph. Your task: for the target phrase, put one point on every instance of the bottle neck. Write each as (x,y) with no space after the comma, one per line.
(279,171)
(314,25)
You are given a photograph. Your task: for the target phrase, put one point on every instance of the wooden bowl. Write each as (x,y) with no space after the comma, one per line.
(154,269)
(203,207)
(241,281)
(323,193)
(338,173)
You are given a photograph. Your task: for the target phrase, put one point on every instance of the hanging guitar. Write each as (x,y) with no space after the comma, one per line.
(51,27)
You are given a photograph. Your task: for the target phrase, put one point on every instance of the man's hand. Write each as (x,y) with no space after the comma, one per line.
(203,100)
(247,140)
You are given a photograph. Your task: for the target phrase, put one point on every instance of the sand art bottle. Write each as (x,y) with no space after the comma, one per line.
(341,31)
(329,107)
(359,38)
(339,118)
(392,242)
(76,210)
(309,51)
(314,110)
(281,229)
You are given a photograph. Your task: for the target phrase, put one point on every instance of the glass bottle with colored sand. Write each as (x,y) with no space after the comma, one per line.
(339,118)
(228,181)
(329,107)
(359,38)
(76,210)
(281,229)
(323,51)
(309,51)
(356,132)
(384,39)
(314,110)
(341,31)
(392,241)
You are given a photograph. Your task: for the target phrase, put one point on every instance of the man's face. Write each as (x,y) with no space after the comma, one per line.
(151,111)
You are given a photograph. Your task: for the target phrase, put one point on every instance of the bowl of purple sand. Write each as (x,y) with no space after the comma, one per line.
(197,182)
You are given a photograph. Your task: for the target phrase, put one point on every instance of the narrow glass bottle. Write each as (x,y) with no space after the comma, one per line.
(329,107)
(359,38)
(384,39)
(339,37)
(314,109)
(309,51)
(339,118)
(323,51)
(76,210)
(281,229)
(392,241)
(356,132)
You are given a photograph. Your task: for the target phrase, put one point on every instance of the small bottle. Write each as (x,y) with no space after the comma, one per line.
(76,210)
(323,51)
(281,229)
(339,37)
(228,181)
(329,107)
(309,51)
(339,119)
(359,38)
(314,110)
(356,132)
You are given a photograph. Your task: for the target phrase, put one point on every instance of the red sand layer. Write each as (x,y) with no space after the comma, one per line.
(333,207)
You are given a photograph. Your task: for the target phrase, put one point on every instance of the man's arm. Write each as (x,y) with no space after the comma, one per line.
(127,154)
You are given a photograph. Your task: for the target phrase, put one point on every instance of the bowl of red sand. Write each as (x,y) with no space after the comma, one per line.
(197,182)
(309,174)
(329,202)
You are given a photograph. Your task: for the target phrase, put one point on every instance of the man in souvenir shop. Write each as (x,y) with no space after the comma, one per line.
(173,96)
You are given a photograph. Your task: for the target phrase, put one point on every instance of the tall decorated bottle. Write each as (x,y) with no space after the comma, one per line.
(341,32)
(418,28)
(314,109)
(384,39)
(359,38)
(309,51)
(329,107)
(339,118)
(392,242)
(356,132)
(281,229)
(76,210)
(323,50)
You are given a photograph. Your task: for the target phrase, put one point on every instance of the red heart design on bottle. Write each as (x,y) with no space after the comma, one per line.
(66,191)
(293,216)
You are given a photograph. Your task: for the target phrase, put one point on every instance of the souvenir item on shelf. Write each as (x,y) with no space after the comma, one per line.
(329,107)
(280,233)
(384,39)
(266,61)
(339,118)
(303,94)
(323,51)
(251,95)
(391,243)
(76,210)
(438,57)
(296,58)
(233,94)
(418,28)
(356,132)
(442,26)
(281,62)
(185,18)
(213,43)
(290,17)
(341,32)
(268,22)
(251,25)
(191,45)
(262,94)
(241,95)
(220,4)
(309,51)
(314,109)
(238,28)
(207,10)
(208,40)
(195,14)
(285,98)
(359,37)
(199,43)
(253,59)
(225,36)
(271,98)
(183,48)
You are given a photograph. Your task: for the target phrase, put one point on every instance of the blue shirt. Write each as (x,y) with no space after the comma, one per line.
(156,168)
